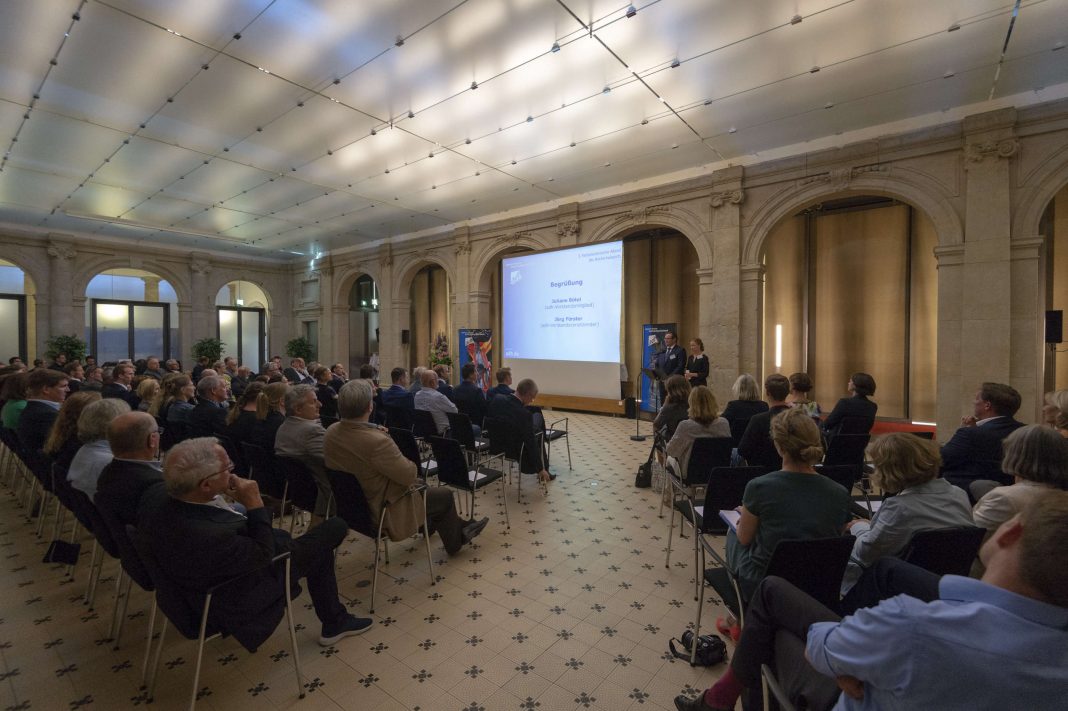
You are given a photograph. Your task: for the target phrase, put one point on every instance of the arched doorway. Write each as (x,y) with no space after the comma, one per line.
(363,322)
(1054,227)
(241,323)
(18,313)
(430,313)
(851,285)
(130,314)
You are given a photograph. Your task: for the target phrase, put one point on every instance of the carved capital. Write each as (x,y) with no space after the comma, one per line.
(385,256)
(568,229)
(200,265)
(513,238)
(463,248)
(728,197)
(978,152)
(841,178)
(60,251)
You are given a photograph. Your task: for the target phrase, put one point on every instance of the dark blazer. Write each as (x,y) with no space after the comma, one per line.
(264,432)
(756,446)
(116,390)
(499,389)
(446,390)
(508,409)
(975,453)
(698,366)
(238,385)
(856,406)
(129,489)
(743,409)
(74,385)
(201,546)
(672,361)
(34,426)
(328,399)
(242,428)
(207,419)
(296,378)
(471,401)
(397,396)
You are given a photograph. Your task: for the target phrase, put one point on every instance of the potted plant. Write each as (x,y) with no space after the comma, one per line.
(71,346)
(439,352)
(210,348)
(300,347)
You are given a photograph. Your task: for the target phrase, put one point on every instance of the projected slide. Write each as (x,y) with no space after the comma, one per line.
(563,305)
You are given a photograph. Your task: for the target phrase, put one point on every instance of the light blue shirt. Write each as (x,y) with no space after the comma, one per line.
(88,462)
(437,404)
(977,647)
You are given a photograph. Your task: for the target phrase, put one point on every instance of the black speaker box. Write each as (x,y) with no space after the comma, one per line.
(1054,326)
(406,337)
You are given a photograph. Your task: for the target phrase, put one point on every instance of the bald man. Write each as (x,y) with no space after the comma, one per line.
(134,477)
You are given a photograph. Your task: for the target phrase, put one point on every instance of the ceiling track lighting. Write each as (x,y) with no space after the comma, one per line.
(813,70)
(474,85)
(399,42)
(411,114)
(796,20)
(374,132)
(953,28)
(555,48)
(631,11)
(675,63)
(606,89)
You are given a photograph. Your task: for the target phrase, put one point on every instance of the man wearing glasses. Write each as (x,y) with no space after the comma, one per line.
(200,544)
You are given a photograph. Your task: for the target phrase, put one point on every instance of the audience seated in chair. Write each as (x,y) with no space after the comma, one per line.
(704,421)
(795,503)
(200,543)
(906,467)
(468,397)
(443,372)
(511,409)
(134,478)
(297,373)
(175,399)
(301,437)
(45,391)
(675,409)
(1055,411)
(997,643)
(800,387)
(325,393)
(974,451)
(358,447)
(756,447)
(431,399)
(746,402)
(397,394)
(63,443)
(270,414)
(861,386)
(504,383)
(95,454)
(121,384)
(241,420)
(208,418)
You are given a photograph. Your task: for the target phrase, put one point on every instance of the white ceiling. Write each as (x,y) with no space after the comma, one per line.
(275,126)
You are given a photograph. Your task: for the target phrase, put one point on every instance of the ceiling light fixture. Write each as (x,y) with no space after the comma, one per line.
(814,70)
(467,141)
(796,20)
(953,28)
(411,114)
(631,11)
(374,132)
(474,85)
(530,119)
(555,48)
(399,41)
(675,63)
(606,89)
(146,226)
(732,129)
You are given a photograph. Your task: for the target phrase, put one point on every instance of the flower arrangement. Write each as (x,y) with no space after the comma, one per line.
(439,353)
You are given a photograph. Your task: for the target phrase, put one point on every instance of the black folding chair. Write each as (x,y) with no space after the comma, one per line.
(945,551)
(455,471)
(738,425)
(301,489)
(503,440)
(265,469)
(848,450)
(553,432)
(460,429)
(399,417)
(409,447)
(352,506)
(707,454)
(424,426)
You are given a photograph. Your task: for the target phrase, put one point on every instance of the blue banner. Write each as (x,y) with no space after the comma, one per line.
(476,346)
(652,344)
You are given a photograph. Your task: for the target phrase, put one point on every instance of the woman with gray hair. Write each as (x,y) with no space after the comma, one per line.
(95,453)
(1037,457)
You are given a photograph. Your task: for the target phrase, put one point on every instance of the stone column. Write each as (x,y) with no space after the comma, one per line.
(950,260)
(60,294)
(390,351)
(203,325)
(1027,341)
(151,287)
(720,282)
(750,319)
(327,348)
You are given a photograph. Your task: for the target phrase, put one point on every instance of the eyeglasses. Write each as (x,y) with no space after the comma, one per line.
(229,470)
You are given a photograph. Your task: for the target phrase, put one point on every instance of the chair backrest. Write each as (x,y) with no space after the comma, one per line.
(351,502)
(855,426)
(127,553)
(815,566)
(848,449)
(460,429)
(503,439)
(405,441)
(101,530)
(326,421)
(424,425)
(264,469)
(170,596)
(234,452)
(738,425)
(399,417)
(452,464)
(303,491)
(726,485)
(842,474)
(707,454)
(945,551)
(173,433)
(923,434)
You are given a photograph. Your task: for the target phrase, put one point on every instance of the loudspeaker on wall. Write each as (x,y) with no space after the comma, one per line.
(1054,326)
(406,337)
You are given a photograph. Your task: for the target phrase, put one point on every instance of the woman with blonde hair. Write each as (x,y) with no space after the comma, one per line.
(794,503)
(147,391)
(906,466)
(63,443)
(177,394)
(270,414)
(704,421)
(1055,411)
(1037,459)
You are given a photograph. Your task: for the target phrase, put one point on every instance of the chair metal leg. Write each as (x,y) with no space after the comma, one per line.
(504,498)
(73,535)
(148,641)
(567,441)
(90,588)
(200,649)
(155,663)
(292,631)
(42,514)
(700,607)
(671,526)
(122,617)
(374,580)
(115,607)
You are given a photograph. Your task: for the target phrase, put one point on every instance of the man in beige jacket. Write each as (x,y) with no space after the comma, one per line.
(359,447)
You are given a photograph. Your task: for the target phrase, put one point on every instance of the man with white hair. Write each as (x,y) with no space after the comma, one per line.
(200,544)
(300,436)
(359,447)
(95,452)
(433,400)
(208,418)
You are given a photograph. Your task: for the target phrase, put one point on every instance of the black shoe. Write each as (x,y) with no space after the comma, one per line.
(473,529)
(685,703)
(348,627)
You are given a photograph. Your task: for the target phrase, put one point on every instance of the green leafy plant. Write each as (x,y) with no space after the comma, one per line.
(71,346)
(300,347)
(211,348)
(439,354)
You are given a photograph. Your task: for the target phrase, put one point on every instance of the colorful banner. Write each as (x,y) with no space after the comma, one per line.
(476,346)
(652,344)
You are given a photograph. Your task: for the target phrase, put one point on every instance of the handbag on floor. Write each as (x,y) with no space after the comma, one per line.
(711,650)
(644,478)
(60,551)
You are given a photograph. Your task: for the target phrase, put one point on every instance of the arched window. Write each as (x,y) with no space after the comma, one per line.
(17,313)
(241,323)
(363,322)
(130,313)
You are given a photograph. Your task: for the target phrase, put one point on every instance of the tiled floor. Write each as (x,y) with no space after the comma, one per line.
(570,609)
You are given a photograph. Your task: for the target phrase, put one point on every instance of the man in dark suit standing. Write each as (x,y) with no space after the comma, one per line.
(133,480)
(671,360)
(208,418)
(756,446)
(468,397)
(201,543)
(120,385)
(974,451)
(46,389)
(512,411)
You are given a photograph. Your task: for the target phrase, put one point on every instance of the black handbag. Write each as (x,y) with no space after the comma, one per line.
(711,650)
(644,478)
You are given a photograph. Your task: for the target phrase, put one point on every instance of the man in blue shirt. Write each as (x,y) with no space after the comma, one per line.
(998,643)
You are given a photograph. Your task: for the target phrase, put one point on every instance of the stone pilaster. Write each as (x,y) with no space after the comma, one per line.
(1027,347)
(60,296)
(720,283)
(751,314)
(203,325)
(951,308)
